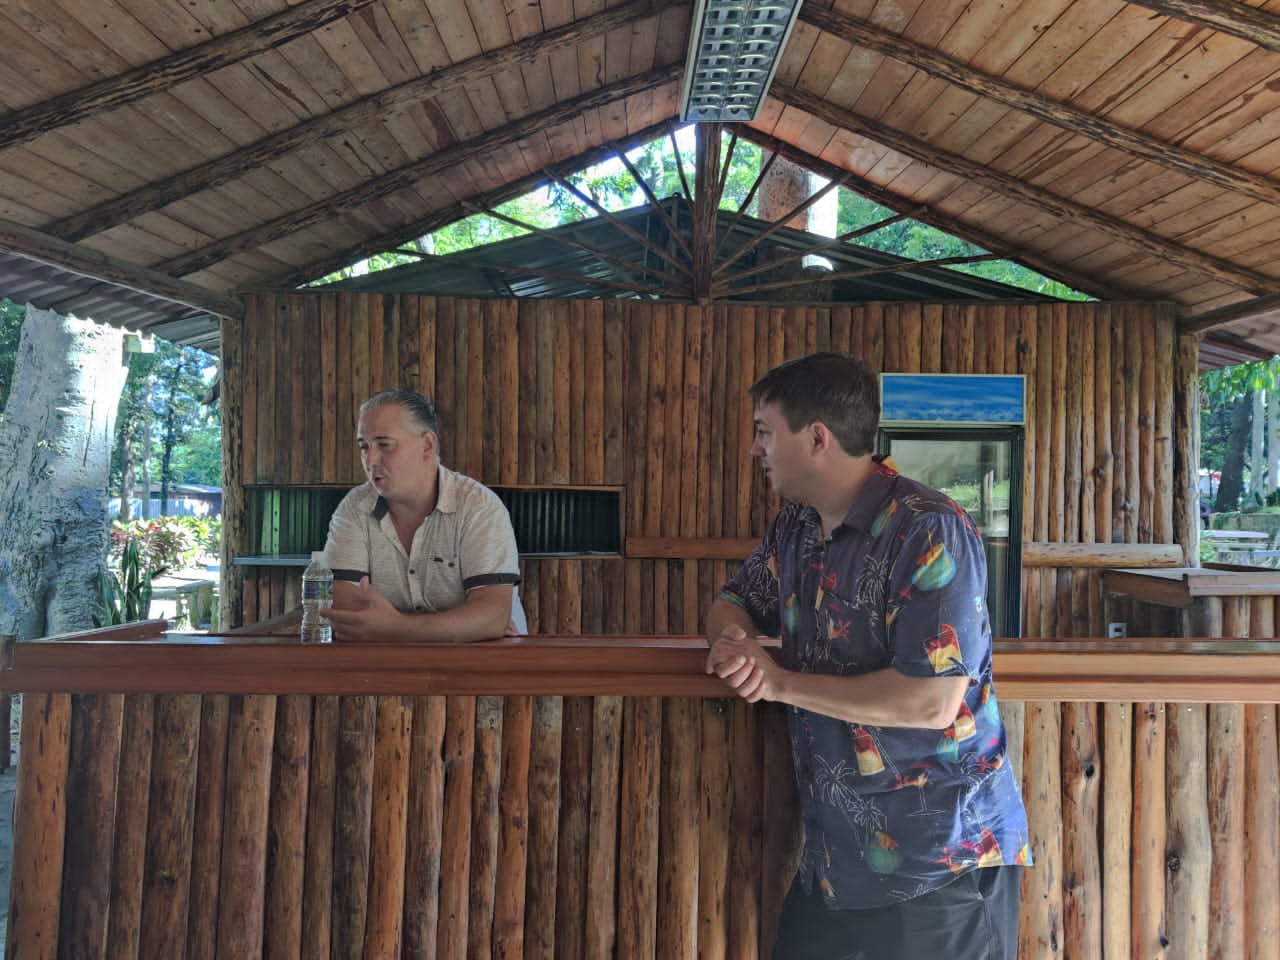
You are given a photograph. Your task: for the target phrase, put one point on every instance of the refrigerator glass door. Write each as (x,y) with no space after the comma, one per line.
(981,469)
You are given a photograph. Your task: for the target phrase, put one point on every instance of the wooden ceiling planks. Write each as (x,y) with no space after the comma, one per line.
(249,169)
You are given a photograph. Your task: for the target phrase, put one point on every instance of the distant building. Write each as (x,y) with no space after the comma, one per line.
(185,500)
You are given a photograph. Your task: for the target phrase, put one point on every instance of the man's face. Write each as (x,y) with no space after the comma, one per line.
(397,458)
(784,455)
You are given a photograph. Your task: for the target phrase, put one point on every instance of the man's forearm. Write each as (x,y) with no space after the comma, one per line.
(882,698)
(469,622)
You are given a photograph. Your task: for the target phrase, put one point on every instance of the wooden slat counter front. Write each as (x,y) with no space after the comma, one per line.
(555,797)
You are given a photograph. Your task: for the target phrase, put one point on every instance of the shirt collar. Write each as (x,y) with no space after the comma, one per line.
(870,500)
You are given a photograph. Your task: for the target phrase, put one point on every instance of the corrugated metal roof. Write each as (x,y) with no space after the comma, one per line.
(537,266)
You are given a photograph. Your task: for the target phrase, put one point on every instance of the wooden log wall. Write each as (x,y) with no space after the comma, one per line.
(233,827)
(651,398)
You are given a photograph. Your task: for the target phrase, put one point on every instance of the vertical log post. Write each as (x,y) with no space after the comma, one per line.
(167,879)
(96,723)
(352,802)
(544,802)
(1149,829)
(40,807)
(1082,879)
(424,824)
(1190,855)
(387,836)
(602,829)
(678,837)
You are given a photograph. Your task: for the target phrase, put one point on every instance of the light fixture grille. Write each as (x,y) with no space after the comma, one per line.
(733,52)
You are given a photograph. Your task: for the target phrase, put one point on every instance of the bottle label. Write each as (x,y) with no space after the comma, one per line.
(321,590)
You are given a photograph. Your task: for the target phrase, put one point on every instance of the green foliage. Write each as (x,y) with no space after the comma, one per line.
(1231,383)
(126,596)
(167,543)
(164,395)
(11,317)
(611,185)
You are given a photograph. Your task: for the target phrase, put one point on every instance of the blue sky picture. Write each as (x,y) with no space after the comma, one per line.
(952,398)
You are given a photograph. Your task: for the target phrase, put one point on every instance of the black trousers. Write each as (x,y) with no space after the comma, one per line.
(975,917)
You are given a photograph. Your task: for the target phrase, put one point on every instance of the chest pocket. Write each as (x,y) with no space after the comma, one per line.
(442,581)
(850,635)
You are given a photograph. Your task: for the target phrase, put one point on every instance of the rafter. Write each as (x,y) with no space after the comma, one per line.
(652,197)
(1238,19)
(22,125)
(627,266)
(778,224)
(1259,308)
(839,241)
(1063,115)
(451,214)
(562,179)
(706,201)
(1002,183)
(154,196)
(892,201)
(34,245)
(480,263)
(746,201)
(860,273)
(407,176)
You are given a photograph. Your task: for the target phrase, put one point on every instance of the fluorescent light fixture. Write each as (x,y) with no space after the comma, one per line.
(734,46)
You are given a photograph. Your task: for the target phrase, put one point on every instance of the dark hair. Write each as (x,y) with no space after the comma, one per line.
(421,413)
(835,389)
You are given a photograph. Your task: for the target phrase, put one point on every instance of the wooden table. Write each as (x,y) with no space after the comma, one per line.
(1237,544)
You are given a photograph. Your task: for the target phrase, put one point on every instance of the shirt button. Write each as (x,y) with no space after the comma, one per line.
(413,571)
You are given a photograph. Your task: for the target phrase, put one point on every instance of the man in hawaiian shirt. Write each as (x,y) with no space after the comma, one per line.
(876,585)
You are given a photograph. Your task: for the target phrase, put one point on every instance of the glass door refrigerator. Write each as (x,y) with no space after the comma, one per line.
(963,435)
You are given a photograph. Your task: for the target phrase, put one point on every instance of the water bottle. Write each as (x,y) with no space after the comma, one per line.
(317,592)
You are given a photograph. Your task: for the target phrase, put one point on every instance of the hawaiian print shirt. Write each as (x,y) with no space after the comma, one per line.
(890,813)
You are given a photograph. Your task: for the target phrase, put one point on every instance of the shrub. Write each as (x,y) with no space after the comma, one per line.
(167,543)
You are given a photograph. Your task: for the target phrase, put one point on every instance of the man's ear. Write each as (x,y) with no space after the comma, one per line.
(822,437)
(430,444)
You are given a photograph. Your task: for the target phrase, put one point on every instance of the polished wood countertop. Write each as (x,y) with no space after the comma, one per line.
(143,658)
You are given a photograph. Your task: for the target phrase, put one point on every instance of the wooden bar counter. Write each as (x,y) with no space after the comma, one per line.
(563,797)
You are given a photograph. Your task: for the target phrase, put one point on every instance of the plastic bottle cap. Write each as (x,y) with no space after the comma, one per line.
(317,556)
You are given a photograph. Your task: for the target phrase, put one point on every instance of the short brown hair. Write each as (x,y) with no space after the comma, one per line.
(836,389)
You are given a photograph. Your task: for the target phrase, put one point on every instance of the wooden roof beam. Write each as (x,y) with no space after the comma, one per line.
(157,195)
(891,201)
(1066,210)
(75,105)
(407,176)
(1069,118)
(1238,19)
(1262,309)
(34,245)
(456,212)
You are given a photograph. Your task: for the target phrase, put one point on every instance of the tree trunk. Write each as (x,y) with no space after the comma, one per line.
(126,479)
(785,187)
(169,440)
(147,421)
(55,453)
(1232,483)
(1257,456)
